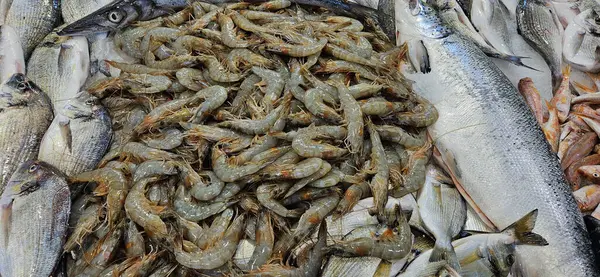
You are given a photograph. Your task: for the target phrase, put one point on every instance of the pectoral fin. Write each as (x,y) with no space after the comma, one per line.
(65,133)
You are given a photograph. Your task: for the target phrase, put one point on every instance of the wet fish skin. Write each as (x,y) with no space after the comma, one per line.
(33,20)
(443,212)
(538,24)
(78,137)
(519,172)
(581,44)
(25,114)
(490,17)
(12,59)
(35,212)
(73,10)
(593,226)
(60,66)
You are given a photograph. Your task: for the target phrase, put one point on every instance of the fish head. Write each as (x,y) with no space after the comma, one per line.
(114,16)
(427,20)
(20,91)
(590,21)
(500,253)
(28,178)
(84,106)
(494,251)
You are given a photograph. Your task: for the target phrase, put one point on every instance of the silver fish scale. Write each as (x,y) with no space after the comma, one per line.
(33,20)
(21,131)
(73,10)
(486,129)
(37,230)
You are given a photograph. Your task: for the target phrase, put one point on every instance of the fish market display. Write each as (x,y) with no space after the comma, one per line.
(299,138)
(34,211)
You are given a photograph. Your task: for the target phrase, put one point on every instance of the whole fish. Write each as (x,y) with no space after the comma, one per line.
(497,154)
(581,45)
(491,254)
(60,65)
(78,137)
(11,54)
(491,18)
(73,10)
(443,212)
(34,213)
(33,20)
(121,13)
(25,114)
(538,24)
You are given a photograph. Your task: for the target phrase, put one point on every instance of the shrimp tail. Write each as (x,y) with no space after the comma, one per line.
(443,250)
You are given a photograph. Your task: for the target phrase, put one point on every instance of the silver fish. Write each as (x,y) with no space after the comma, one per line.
(25,114)
(73,10)
(33,20)
(491,18)
(12,59)
(78,137)
(60,65)
(443,212)
(581,43)
(34,212)
(538,24)
(487,254)
(496,153)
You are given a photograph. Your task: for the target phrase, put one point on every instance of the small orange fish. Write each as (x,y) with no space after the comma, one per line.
(592,172)
(587,197)
(552,127)
(562,98)
(579,149)
(533,98)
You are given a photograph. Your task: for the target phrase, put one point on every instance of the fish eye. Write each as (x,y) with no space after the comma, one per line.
(116,16)
(89,102)
(21,86)
(33,167)
(596,175)
(510,259)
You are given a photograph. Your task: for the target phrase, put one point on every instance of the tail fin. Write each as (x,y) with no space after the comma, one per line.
(521,230)
(443,250)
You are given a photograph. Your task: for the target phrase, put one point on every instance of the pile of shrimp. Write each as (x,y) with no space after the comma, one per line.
(571,123)
(251,122)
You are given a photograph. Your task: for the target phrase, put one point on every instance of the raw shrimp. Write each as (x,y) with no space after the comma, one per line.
(314,103)
(332,178)
(305,145)
(351,197)
(217,72)
(265,239)
(260,15)
(245,57)
(246,88)
(96,257)
(171,63)
(296,50)
(353,117)
(228,35)
(300,170)
(267,194)
(229,172)
(185,207)
(273,5)
(142,266)
(333,66)
(423,115)
(214,96)
(400,136)
(111,180)
(307,194)
(134,241)
(346,55)
(230,141)
(380,107)
(217,229)
(379,183)
(274,86)
(414,172)
(143,212)
(364,90)
(145,83)
(254,127)
(154,168)
(138,69)
(89,219)
(217,255)
(204,192)
(188,44)
(169,139)
(139,151)
(324,170)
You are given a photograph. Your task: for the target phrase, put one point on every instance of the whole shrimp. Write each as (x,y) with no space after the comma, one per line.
(217,229)
(323,170)
(415,172)
(267,194)
(111,180)
(400,136)
(245,57)
(300,170)
(353,117)
(313,99)
(296,50)
(217,72)
(143,212)
(265,239)
(275,84)
(215,256)
(423,115)
(379,183)
(168,139)
(381,107)
(208,192)
(134,241)
(304,144)
(230,141)
(155,168)
(185,207)
(228,35)
(254,127)
(351,197)
(214,96)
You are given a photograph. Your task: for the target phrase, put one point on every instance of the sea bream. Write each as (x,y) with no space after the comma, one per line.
(496,153)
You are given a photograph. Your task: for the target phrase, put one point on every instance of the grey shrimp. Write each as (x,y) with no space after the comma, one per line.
(254,127)
(214,96)
(400,136)
(296,50)
(379,183)
(228,35)
(188,209)
(143,212)
(217,72)
(245,57)
(305,145)
(324,170)
(313,99)
(380,107)
(353,116)
(274,86)
(204,192)
(267,195)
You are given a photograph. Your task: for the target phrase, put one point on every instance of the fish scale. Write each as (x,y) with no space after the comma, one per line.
(498,155)
(33,20)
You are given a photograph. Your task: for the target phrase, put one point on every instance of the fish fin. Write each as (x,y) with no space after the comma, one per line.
(65,132)
(517,60)
(521,230)
(443,250)
(5,219)
(472,257)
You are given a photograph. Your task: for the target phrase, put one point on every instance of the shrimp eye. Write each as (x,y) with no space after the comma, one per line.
(116,16)
(510,259)
(33,167)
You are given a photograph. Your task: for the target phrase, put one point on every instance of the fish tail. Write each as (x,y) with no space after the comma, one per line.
(443,250)
(521,230)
